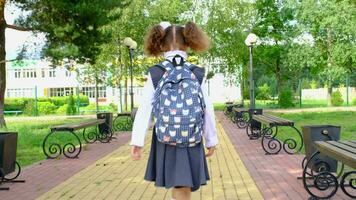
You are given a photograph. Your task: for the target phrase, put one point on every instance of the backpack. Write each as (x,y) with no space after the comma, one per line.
(178,107)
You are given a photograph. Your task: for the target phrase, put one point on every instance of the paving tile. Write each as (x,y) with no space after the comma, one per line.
(45,175)
(275,175)
(122,178)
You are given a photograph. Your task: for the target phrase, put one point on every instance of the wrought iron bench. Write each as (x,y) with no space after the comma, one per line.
(321,183)
(271,144)
(241,117)
(70,150)
(129,116)
(228,109)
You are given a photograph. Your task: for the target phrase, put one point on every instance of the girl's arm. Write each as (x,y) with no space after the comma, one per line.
(209,129)
(143,115)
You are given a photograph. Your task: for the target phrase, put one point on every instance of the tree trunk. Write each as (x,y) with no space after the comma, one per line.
(126,89)
(2,64)
(329,65)
(330,91)
(96,93)
(242,87)
(278,77)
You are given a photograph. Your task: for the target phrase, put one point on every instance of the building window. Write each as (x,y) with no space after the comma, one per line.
(17,73)
(59,92)
(90,91)
(26,73)
(43,72)
(20,92)
(68,73)
(52,73)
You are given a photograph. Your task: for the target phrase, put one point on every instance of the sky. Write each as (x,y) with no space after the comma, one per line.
(15,39)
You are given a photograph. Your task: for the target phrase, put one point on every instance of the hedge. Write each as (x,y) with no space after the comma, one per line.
(12,104)
(15,103)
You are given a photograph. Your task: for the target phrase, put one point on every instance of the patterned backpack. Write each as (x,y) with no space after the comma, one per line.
(178,108)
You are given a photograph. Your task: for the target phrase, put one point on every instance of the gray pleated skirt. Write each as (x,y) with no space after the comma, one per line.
(169,166)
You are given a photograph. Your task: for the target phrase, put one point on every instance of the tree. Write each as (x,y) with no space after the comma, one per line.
(3,26)
(226,26)
(71,27)
(275,28)
(135,21)
(331,23)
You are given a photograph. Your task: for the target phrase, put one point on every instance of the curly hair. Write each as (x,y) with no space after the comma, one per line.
(176,37)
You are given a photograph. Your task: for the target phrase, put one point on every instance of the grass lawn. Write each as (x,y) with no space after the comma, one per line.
(274,104)
(32,131)
(344,119)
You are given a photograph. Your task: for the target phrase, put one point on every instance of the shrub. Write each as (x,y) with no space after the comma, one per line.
(15,103)
(29,109)
(62,109)
(90,107)
(59,101)
(46,108)
(71,107)
(336,98)
(246,93)
(353,102)
(84,100)
(285,98)
(263,92)
(44,99)
(113,107)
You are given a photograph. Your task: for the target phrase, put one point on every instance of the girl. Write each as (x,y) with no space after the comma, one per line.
(183,168)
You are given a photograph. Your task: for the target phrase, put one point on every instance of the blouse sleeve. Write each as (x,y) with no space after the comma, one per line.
(143,115)
(209,129)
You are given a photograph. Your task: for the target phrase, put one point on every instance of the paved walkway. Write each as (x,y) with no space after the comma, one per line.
(116,176)
(275,175)
(239,170)
(45,175)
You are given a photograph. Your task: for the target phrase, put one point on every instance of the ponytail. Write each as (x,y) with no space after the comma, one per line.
(195,38)
(154,40)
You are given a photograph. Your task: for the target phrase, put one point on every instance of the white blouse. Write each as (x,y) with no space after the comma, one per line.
(144,112)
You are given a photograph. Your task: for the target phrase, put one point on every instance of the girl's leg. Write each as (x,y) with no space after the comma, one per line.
(174,194)
(183,193)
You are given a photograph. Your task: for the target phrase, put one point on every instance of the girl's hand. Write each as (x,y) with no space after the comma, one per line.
(210,152)
(136,152)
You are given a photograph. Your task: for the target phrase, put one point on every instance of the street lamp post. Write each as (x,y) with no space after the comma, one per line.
(250,41)
(131,45)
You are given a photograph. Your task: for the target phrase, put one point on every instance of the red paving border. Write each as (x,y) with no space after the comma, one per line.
(275,175)
(45,175)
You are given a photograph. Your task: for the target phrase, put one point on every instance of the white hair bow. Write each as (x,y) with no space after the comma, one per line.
(165,25)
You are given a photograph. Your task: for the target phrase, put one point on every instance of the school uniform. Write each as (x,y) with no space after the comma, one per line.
(170,166)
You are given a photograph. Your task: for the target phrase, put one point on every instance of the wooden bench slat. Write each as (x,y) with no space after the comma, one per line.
(76,126)
(279,119)
(272,120)
(337,153)
(124,114)
(343,146)
(240,109)
(348,143)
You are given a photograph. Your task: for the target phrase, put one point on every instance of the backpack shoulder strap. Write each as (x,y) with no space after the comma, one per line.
(199,72)
(156,73)
(158,70)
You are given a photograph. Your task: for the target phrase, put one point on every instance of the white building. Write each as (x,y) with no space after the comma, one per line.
(23,81)
(39,77)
